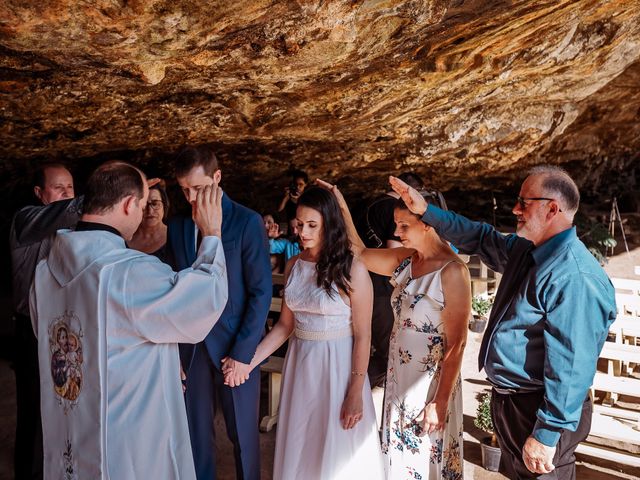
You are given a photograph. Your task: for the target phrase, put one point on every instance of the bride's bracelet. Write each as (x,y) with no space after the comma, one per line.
(353,372)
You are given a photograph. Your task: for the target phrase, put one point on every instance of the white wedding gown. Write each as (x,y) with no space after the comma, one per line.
(310,442)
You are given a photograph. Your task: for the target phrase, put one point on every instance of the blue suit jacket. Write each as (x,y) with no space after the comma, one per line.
(246,249)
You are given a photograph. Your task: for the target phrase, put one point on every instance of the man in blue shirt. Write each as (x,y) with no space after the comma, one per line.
(549,321)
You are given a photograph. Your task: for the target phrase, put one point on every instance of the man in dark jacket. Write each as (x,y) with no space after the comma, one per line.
(30,238)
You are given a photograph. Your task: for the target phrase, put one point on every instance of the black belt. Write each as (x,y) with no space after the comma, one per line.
(515,391)
(505,391)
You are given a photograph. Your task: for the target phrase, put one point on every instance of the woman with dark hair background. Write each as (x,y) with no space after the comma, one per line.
(151,236)
(431,303)
(326,426)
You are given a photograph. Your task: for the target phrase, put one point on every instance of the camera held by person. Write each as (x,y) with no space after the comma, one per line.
(294,191)
(299,180)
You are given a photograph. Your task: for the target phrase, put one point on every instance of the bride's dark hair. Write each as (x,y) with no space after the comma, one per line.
(334,264)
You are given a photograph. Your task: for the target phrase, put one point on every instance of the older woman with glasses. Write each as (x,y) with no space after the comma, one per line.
(151,236)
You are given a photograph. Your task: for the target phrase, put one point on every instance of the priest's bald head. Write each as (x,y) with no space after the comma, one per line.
(116,195)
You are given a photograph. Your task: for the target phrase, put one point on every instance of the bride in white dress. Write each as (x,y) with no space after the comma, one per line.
(326,423)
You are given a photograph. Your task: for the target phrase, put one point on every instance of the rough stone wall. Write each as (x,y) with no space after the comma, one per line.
(467,93)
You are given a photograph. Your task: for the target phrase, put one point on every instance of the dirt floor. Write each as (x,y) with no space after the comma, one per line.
(474,383)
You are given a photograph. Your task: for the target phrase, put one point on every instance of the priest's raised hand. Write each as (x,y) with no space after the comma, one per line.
(206,211)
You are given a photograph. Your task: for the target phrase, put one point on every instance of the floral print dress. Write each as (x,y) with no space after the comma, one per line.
(415,355)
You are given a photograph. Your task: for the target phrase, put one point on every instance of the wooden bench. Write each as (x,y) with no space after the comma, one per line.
(621,354)
(628,304)
(613,386)
(611,383)
(626,285)
(483,279)
(276,305)
(627,296)
(625,327)
(621,351)
(273,367)
(618,413)
(610,454)
(620,426)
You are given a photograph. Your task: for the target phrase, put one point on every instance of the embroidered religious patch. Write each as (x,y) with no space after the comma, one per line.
(65,346)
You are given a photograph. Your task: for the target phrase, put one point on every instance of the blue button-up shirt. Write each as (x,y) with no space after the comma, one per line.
(283,245)
(550,318)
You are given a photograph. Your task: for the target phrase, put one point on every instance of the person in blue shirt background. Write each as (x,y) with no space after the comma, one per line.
(548,324)
(289,245)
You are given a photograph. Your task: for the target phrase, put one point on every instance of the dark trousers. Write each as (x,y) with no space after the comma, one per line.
(28,447)
(381,327)
(240,410)
(514,416)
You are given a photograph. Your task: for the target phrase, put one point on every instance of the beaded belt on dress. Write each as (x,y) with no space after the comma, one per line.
(324,335)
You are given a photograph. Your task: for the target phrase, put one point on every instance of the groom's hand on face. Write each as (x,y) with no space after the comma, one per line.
(206,211)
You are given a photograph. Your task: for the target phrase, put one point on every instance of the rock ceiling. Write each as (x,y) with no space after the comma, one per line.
(461,91)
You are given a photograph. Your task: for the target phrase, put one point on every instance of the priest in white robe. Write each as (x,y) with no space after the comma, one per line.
(108,320)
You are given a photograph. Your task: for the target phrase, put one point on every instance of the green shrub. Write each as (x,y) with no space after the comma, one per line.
(483,414)
(595,236)
(481,305)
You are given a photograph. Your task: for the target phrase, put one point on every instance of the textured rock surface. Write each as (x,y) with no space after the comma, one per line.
(461,91)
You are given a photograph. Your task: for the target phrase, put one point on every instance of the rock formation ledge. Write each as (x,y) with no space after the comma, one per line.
(460,91)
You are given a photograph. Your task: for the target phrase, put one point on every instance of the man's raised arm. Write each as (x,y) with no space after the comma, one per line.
(471,238)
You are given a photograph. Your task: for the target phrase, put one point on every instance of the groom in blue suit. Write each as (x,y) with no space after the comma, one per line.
(234,338)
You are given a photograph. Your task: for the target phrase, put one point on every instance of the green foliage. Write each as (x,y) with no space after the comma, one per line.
(481,305)
(595,236)
(483,414)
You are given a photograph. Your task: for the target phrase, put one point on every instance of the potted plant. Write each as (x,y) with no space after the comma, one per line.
(480,307)
(488,445)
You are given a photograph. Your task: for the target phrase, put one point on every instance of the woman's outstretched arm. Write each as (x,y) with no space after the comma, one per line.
(382,261)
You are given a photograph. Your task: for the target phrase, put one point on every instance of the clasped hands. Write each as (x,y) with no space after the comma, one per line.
(235,372)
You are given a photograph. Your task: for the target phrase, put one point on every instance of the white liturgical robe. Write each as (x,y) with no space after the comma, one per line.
(108,320)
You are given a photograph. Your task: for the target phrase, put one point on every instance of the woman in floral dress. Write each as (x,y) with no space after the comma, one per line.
(422,424)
